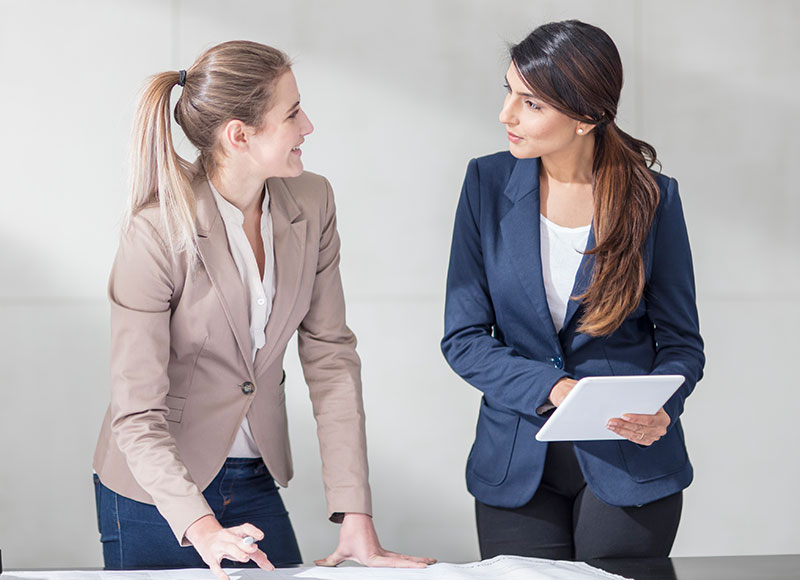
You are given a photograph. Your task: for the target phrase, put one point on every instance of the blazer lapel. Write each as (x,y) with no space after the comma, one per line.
(212,242)
(521,236)
(582,279)
(289,245)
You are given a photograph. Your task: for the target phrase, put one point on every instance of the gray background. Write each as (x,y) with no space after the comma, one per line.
(402,94)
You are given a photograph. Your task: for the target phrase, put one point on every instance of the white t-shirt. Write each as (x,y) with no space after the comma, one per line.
(260,292)
(562,252)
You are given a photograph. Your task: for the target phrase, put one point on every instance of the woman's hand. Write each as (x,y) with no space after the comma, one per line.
(358,541)
(641,429)
(213,543)
(560,390)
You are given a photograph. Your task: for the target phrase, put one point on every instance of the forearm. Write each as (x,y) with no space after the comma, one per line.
(506,378)
(139,388)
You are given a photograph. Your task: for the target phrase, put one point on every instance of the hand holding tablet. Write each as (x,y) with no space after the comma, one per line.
(594,403)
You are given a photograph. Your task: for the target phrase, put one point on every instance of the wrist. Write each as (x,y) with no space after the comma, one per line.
(353,519)
(356,516)
(202,528)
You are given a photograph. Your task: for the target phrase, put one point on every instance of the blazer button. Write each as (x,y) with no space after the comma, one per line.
(557,361)
(247,387)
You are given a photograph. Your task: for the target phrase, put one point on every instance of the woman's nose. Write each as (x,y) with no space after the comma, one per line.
(506,117)
(307,127)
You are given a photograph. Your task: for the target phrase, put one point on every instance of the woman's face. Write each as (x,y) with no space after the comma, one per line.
(534,128)
(276,147)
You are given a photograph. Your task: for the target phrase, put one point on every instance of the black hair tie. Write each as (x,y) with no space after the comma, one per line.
(182,79)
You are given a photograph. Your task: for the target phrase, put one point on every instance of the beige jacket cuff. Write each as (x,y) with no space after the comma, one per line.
(354,500)
(180,517)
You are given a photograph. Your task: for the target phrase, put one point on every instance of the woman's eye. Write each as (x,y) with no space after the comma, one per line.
(294,115)
(506,87)
(532,105)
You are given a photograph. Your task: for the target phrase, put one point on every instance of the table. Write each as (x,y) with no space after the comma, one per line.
(782,567)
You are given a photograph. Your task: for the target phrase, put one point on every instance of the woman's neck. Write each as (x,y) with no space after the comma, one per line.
(566,194)
(241,188)
(571,166)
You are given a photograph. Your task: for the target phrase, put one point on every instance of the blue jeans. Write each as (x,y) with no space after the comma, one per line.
(135,535)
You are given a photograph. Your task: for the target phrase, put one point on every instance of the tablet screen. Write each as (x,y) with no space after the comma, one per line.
(585,411)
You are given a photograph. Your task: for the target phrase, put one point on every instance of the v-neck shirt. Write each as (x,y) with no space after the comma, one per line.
(259,291)
(562,251)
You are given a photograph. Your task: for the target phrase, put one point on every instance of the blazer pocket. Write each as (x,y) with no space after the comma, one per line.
(664,457)
(491,453)
(175,406)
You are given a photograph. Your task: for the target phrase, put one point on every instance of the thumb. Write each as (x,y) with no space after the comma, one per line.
(333,560)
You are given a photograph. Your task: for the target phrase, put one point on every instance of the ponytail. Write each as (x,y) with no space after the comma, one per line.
(157,173)
(232,80)
(625,199)
(576,68)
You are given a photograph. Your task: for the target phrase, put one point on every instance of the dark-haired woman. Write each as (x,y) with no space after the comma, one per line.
(570,258)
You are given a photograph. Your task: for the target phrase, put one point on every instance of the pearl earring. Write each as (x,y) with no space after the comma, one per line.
(580,131)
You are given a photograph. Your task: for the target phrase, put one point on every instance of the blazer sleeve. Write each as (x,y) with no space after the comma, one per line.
(332,370)
(507,379)
(670,299)
(140,289)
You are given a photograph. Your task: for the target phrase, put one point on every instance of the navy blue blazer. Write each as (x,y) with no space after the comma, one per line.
(500,337)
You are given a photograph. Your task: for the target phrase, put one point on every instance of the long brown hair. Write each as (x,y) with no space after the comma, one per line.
(576,68)
(233,80)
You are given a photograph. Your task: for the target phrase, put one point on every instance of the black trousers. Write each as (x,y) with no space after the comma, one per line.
(565,521)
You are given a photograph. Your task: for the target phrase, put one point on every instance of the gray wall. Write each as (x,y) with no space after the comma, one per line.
(402,94)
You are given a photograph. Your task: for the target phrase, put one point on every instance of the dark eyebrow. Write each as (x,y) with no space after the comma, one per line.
(293,107)
(523,94)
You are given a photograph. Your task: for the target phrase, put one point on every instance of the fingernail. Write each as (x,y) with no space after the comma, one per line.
(626,417)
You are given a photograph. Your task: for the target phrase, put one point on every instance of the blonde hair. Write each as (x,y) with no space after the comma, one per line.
(233,80)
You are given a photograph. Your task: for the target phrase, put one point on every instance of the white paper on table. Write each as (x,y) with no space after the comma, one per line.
(498,568)
(183,574)
(186,574)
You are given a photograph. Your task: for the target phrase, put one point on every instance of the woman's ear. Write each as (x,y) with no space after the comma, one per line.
(235,136)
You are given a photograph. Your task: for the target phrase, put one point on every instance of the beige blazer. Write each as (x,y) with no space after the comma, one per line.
(182,379)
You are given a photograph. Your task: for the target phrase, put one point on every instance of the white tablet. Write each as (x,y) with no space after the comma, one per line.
(585,411)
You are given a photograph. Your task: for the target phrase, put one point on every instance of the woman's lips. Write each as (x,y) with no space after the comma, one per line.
(513,138)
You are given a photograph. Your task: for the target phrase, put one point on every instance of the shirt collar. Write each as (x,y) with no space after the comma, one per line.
(229,212)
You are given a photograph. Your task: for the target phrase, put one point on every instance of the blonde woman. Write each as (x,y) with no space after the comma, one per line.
(219,264)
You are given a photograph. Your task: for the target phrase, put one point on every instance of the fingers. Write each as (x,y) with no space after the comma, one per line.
(389,560)
(230,547)
(235,551)
(219,543)
(218,572)
(420,559)
(248,530)
(647,420)
(636,435)
(660,419)
(423,559)
(383,560)
(648,431)
(333,560)
(260,558)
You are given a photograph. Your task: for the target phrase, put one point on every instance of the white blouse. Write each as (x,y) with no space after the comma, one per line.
(562,251)
(260,291)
